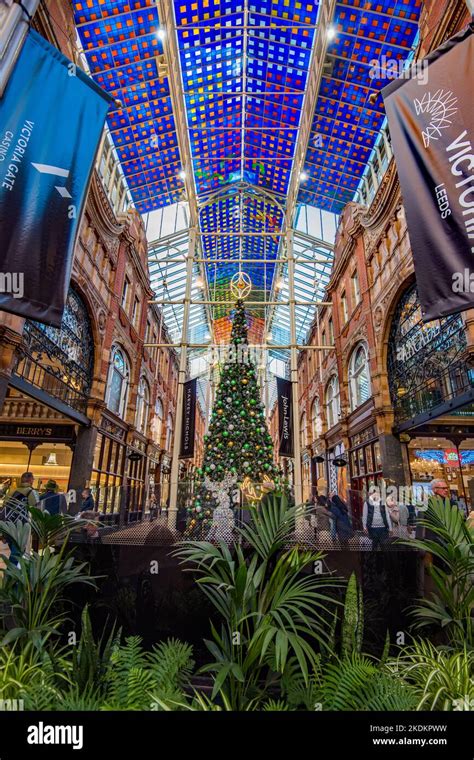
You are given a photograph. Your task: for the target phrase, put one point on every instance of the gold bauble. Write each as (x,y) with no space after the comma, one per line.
(220,411)
(244,381)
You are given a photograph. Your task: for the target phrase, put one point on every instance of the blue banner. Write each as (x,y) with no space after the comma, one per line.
(51,119)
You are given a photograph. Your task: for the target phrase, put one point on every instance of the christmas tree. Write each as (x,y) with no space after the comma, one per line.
(238,445)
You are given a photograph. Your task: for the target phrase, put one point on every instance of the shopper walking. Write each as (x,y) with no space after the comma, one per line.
(399,515)
(376,521)
(342,521)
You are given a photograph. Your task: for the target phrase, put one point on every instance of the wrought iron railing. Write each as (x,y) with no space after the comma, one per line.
(449,385)
(59,361)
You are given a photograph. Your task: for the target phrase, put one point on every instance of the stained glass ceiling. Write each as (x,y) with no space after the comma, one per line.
(346,123)
(244,67)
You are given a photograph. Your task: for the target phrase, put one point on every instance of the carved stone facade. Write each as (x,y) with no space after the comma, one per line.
(110,277)
(373,267)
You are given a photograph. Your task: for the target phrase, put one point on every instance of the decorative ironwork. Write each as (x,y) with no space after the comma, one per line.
(60,361)
(425,365)
(110,427)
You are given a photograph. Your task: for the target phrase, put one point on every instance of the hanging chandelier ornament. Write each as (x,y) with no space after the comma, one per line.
(240,285)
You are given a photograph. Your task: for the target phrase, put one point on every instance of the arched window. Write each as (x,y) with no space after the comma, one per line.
(359,378)
(118,381)
(169,432)
(303,431)
(143,406)
(316,422)
(333,407)
(157,422)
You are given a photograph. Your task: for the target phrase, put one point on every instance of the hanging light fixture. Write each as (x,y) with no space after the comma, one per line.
(51,460)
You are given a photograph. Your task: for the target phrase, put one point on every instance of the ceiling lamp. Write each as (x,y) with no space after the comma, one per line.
(51,461)
(161,34)
(182,174)
(331,32)
(303,176)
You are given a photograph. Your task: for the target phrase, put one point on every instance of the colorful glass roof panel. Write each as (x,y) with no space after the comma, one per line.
(123,53)
(347,120)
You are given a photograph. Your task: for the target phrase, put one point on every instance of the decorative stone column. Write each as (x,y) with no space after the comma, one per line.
(83,457)
(393,460)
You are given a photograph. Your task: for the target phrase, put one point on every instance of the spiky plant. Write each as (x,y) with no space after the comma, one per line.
(270,607)
(451,605)
(441,677)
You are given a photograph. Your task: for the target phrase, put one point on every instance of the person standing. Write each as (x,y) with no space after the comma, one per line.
(376,520)
(342,521)
(16,508)
(399,515)
(324,520)
(88,503)
(462,506)
(51,501)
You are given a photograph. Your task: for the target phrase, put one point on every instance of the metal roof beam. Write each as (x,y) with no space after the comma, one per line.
(325,17)
(175,80)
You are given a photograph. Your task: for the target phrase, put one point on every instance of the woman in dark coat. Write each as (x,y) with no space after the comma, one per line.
(341,519)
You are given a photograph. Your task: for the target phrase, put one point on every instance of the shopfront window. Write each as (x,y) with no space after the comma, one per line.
(433,457)
(107,473)
(359,379)
(118,382)
(366,468)
(333,402)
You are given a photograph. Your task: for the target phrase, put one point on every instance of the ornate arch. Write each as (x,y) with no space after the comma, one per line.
(61,360)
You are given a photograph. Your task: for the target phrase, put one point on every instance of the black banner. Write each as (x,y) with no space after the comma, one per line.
(51,120)
(189,419)
(285,418)
(431,119)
